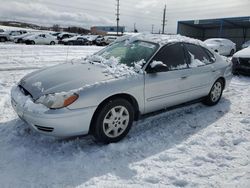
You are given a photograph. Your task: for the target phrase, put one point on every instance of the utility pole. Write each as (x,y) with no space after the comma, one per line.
(164,19)
(117,16)
(152,29)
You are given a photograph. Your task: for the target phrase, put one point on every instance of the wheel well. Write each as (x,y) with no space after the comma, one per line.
(223,80)
(127,97)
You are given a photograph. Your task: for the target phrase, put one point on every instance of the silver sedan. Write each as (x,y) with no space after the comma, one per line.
(104,93)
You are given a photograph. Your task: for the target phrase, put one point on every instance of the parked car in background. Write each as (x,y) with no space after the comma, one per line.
(1,30)
(19,38)
(42,38)
(55,34)
(6,35)
(62,36)
(76,40)
(246,44)
(222,46)
(103,94)
(100,41)
(106,40)
(93,38)
(241,62)
(110,39)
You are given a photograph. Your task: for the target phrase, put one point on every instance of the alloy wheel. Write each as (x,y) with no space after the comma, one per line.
(116,121)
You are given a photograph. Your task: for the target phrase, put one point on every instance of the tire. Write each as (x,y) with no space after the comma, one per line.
(113,121)
(32,42)
(231,52)
(2,39)
(215,93)
(19,41)
(70,43)
(52,43)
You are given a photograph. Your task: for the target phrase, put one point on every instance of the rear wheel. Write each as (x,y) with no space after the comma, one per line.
(113,121)
(52,43)
(215,93)
(32,42)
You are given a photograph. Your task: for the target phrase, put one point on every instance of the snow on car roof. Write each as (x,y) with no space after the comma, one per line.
(160,38)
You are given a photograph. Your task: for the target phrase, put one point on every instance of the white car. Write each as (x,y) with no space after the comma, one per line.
(246,44)
(241,62)
(103,94)
(110,39)
(19,38)
(42,38)
(222,46)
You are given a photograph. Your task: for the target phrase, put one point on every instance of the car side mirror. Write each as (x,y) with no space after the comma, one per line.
(158,68)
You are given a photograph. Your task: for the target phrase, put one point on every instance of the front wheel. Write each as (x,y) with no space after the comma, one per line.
(113,121)
(215,93)
(52,43)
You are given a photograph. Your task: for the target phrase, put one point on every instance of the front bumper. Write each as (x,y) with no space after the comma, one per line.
(60,123)
(241,66)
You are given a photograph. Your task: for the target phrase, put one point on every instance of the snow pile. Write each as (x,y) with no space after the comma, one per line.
(26,102)
(196,62)
(155,63)
(161,39)
(38,85)
(112,66)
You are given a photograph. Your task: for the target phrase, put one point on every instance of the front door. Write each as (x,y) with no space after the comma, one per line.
(164,89)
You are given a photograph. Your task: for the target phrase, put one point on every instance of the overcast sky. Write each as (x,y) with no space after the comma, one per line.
(144,13)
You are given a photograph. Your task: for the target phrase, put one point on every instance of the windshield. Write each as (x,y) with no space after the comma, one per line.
(129,53)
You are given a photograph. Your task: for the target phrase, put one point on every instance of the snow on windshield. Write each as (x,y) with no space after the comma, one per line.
(112,66)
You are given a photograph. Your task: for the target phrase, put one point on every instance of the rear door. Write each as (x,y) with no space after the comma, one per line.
(201,67)
(164,89)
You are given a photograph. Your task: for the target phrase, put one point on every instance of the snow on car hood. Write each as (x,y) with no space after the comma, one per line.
(245,53)
(76,76)
(61,78)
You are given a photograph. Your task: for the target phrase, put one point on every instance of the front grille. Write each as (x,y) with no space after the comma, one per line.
(244,61)
(45,129)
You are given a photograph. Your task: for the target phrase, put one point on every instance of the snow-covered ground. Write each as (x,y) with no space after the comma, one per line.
(192,146)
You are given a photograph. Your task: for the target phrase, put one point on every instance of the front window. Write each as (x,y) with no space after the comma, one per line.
(129,53)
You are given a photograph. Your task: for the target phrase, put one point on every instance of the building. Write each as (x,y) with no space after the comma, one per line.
(236,29)
(104,30)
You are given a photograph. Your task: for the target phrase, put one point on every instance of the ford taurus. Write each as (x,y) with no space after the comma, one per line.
(104,93)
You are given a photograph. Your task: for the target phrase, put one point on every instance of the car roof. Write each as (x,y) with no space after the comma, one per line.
(160,39)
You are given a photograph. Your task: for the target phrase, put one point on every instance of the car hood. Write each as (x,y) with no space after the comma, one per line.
(62,78)
(245,53)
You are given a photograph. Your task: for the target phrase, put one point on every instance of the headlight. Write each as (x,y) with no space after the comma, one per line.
(58,100)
